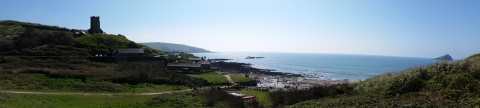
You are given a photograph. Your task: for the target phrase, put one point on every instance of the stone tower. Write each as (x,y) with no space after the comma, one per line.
(95,25)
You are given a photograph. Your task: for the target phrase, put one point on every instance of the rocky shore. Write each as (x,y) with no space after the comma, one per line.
(273,81)
(245,68)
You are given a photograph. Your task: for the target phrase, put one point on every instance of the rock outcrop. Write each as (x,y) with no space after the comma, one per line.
(444,57)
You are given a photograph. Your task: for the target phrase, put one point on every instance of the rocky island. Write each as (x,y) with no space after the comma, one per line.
(444,57)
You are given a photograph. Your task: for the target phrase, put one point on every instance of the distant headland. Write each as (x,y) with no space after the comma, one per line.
(444,57)
(171,47)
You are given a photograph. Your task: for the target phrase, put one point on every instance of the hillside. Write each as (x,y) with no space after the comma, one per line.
(24,38)
(42,57)
(443,84)
(170,47)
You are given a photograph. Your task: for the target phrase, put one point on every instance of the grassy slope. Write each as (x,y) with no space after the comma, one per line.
(80,75)
(76,73)
(238,78)
(212,77)
(186,99)
(444,84)
(75,101)
(27,38)
(88,76)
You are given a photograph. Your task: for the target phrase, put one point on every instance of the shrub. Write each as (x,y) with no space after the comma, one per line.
(281,98)
(391,83)
(100,86)
(176,100)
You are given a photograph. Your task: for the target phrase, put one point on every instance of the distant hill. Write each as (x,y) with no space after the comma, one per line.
(170,47)
(444,57)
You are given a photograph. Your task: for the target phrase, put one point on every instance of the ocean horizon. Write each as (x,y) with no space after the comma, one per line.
(325,66)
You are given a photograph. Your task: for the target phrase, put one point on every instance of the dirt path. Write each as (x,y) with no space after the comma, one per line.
(105,94)
(230,79)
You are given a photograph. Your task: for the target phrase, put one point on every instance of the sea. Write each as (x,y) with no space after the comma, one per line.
(324,66)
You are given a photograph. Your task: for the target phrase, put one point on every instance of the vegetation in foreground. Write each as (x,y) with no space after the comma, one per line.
(443,84)
(186,99)
(74,101)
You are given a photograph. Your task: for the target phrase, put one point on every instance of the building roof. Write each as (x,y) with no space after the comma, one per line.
(131,50)
(184,64)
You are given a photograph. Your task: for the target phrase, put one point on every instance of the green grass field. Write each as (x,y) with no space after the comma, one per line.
(213,77)
(145,87)
(262,96)
(181,99)
(75,101)
(238,78)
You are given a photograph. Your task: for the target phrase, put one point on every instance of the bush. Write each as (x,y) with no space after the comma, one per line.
(176,100)
(392,83)
(281,98)
(101,86)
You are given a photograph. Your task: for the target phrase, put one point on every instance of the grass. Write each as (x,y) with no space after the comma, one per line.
(82,75)
(38,82)
(238,78)
(75,101)
(146,87)
(262,96)
(186,99)
(139,88)
(212,77)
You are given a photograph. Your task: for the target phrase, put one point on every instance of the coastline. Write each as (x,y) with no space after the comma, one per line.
(271,80)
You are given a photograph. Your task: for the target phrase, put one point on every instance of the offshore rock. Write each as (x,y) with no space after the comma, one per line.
(444,57)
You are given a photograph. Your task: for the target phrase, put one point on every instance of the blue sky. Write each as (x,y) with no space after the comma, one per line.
(425,28)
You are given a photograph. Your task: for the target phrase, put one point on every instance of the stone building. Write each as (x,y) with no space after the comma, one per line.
(95,25)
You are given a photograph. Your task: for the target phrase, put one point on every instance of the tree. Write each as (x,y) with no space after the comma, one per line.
(27,39)
(63,38)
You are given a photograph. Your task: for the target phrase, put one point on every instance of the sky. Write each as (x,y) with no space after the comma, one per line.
(412,28)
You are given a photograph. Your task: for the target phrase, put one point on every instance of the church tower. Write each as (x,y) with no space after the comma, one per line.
(95,25)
